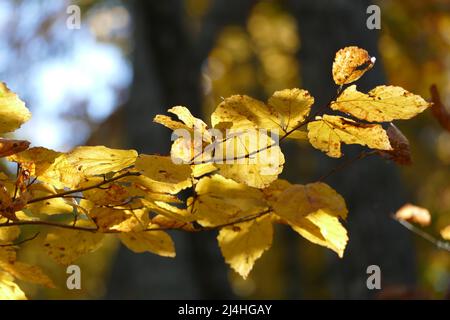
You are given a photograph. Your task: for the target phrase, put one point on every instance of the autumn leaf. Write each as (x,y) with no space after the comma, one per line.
(13,112)
(220,200)
(244,112)
(412,213)
(400,152)
(285,110)
(121,220)
(251,157)
(9,146)
(9,234)
(36,160)
(28,273)
(381,104)
(100,160)
(440,111)
(157,242)
(244,243)
(164,175)
(65,245)
(324,229)
(327,133)
(49,206)
(9,290)
(292,107)
(314,214)
(350,63)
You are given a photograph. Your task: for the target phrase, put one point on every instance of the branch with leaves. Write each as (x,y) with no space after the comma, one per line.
(231,170)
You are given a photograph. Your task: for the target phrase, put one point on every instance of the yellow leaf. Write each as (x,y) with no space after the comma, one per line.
(28,273)
(165,175)
(9,234)
(7,254)
(157,242)
(445,233)
(298,201)
(100,160)
(36,160)
(414,214)
(251,157)
(13,112)
(350,64)
(9,290)
(243,112)
(120,220)
(220,200)
(189,122)
(324,229)
(381,104)
(293,107)
(112,194)
(65,246)
(285,110)
(170,211)
(201,169)
(9,146)
(49,206)
(328,132)
(244,243)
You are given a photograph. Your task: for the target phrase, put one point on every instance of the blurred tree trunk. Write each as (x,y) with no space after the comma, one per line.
(371,187)
(167,72)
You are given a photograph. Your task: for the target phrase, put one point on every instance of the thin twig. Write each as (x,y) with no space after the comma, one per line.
(20,242)
(345,164)
(438,243)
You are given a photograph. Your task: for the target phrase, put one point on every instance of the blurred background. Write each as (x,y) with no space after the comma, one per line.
(130,60)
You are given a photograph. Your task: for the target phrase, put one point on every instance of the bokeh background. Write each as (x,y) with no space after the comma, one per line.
(103,83)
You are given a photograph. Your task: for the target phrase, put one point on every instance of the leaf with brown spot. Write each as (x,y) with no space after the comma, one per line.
(350,63)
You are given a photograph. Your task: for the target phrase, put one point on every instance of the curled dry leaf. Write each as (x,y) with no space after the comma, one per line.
(412,213)
(350,64)
(401,153)
(440,112)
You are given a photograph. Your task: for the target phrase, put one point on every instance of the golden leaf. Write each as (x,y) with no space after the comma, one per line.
(298,201)
(244,243)
(9,290)
(157,242)
(286,110)
(220,200)
(13,112)
(65,245)
(49,206)
(28,273)
(350,64)
(328,132)
(323,229)
(120,220)
(100,160)
(381,104)
(36,160)
(251,157)
(9,147)
(164,175)
(293,107)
